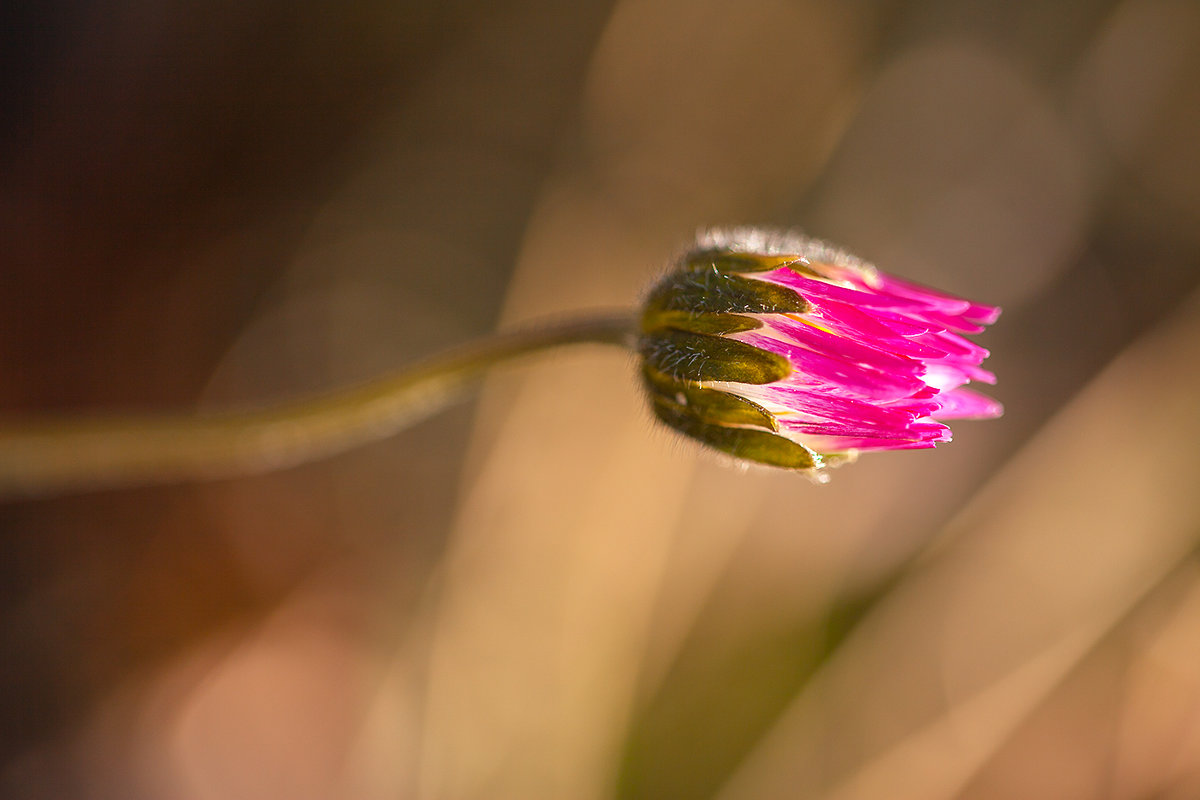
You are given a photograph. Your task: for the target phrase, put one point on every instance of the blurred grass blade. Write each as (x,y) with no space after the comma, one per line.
(720,699)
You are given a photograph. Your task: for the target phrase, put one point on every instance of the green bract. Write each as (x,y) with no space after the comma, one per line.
(707,405)
(686,318)
(698,357)
(712,292)
(751,444)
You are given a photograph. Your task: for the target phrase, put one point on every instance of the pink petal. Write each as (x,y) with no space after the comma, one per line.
(863,327)
(966,404)
(813,289)
(843,347)
(821,404)
(841,376)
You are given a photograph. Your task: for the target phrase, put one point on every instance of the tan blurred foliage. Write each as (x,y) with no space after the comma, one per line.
(541,594)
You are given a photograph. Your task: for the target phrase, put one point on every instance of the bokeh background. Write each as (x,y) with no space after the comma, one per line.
(539,594)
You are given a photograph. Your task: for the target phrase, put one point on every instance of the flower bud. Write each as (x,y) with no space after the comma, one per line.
(786,351)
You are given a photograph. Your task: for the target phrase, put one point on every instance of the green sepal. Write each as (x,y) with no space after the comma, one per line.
(729,262)
(751,444)
(702,322)
(701,357)
(707,405)
(716,293)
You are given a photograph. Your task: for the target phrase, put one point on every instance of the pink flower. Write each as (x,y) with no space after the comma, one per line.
(787,351)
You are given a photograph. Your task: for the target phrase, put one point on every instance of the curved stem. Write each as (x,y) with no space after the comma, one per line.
(56,455)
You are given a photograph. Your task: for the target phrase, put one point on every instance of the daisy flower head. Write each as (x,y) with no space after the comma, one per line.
(787,351)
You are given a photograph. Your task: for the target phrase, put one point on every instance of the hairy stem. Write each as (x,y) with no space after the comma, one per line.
(57,455)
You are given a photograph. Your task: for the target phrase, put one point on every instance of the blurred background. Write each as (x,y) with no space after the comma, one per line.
(539,594)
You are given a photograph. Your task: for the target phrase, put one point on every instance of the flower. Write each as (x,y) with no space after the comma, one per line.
(787,351)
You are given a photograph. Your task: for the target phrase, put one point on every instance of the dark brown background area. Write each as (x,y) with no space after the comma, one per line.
(213,204)
(162,164)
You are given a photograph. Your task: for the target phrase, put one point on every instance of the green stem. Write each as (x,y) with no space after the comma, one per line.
(56,455)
